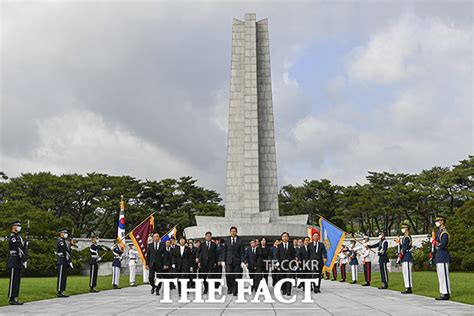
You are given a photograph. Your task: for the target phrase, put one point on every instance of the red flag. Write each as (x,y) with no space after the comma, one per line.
(311,230)
(139,236)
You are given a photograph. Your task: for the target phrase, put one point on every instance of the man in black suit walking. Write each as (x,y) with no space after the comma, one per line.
(251,262)
(207,259)
(286,255)
(318,256)
(155,258)
(233,255)
(182,261)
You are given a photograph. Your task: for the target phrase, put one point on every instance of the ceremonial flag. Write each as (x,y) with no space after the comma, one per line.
(121,223)
(139,236)
(171,233)
(332,238)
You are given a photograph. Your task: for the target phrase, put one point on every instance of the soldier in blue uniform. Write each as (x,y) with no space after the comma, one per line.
(117,251)
(382,246)
(442,258)
(16,258)
(94,264)
(406,259)
(64,261)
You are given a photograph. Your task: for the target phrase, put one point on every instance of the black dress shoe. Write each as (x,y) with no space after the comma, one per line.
(60,294)
(152,290)
(229,291)
(443,297)
(343,280)
(354,282)
(157,293)
(366,284)
(93,290)
(14,302)
(235,294)
(116,287)
(333,279)
(407,291)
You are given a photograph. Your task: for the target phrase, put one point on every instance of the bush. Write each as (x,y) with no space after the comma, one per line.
(461,242)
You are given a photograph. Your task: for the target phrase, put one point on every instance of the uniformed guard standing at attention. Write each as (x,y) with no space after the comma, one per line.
(132,263)
(406,259)
(117,251)
(16,257)
(353,262)
(366,261)
(382,246)
(94,264)
(442,258)
(64,261)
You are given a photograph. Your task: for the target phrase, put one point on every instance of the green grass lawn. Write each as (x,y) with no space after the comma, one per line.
(34,289)
(426,283)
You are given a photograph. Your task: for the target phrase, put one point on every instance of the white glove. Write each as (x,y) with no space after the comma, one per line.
(223,263)
(173,266)
(242,265)
(100,259)
(71,265)
(277,264)
(191,269)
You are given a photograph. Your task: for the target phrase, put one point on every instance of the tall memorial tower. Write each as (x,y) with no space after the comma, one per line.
(251,202)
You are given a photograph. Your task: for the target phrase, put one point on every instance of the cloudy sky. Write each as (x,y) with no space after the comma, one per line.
(141,88)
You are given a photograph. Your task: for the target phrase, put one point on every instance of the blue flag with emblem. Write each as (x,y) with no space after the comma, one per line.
(171,233)
(332,237)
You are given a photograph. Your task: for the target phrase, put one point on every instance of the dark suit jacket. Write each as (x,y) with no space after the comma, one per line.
(251,259)
(318,252)
(208,256)
(263,258)
(183,263)
(286,255)
(233,254)
(155,259)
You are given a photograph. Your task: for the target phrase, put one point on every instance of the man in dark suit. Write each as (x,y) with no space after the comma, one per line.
(303,257)
(233,255)
(182,261)
(286,255)
(382,247)
(207,259)
(263,261)
(220,258)
(317,256)
(274,255)
(251,262)
(155,261)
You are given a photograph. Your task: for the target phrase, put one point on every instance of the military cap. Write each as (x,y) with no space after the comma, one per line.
(62,230)
(15,223)
(405,225)
(440,218)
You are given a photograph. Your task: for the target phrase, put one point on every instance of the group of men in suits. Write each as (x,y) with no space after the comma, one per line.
(210,256)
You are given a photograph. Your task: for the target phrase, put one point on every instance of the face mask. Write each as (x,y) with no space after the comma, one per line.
(65,235)
(438,224)
(18,229)
(380,236)
(403,230)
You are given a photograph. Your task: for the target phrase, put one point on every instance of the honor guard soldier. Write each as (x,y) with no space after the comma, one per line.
(442,258)
(352,254)
(94,264)
(117,251)
(366,261)
(343,260)
(406,259)
(382,246)
(16,258)
(64,261)
(132,263)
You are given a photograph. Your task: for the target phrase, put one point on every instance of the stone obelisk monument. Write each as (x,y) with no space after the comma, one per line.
(251,202)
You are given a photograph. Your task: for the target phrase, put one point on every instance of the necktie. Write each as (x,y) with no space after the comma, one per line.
(208,245)
(156,246)
(233,241)
(253,250)
(286,247)
(167,249)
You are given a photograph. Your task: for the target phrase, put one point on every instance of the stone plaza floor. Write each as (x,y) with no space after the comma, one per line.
(336,299)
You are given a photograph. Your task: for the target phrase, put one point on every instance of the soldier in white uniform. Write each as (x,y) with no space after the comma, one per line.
(146,272)
(406,258)
(343,261)
(132,263)
(367,263)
